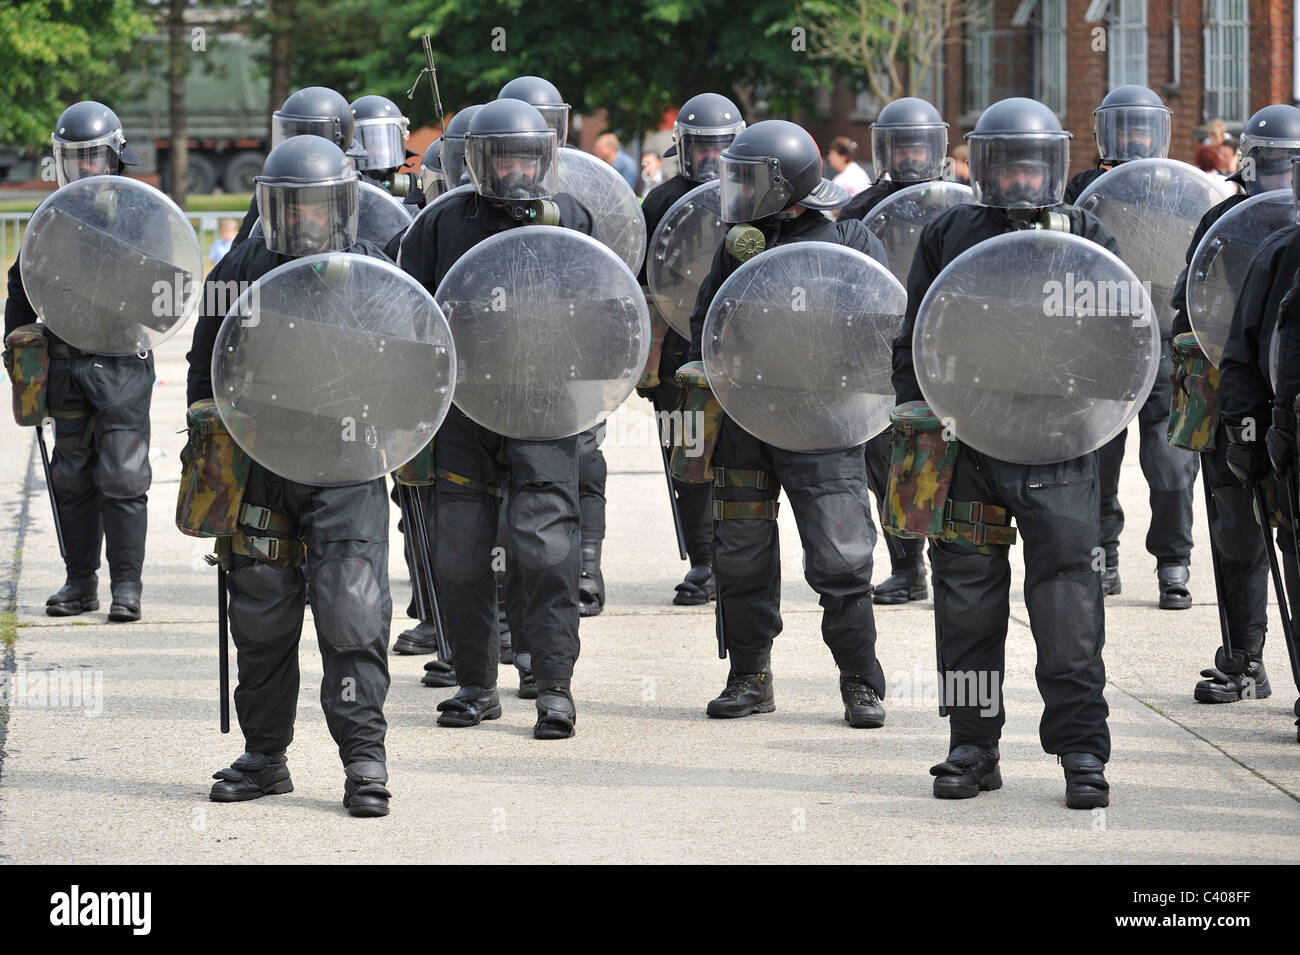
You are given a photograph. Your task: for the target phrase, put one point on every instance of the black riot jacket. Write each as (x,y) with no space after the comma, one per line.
(1074,188)
(237,270)
(810,226)
(1179,298)
(656,204)
(1245,390)
(952,233)
(442,235)
(860,206)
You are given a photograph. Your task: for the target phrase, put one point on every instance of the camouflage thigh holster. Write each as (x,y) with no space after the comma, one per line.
(695,404)
(1194,407)
(725,509)
(419,471)
(281,546)
(658,331)
(28,366)
(921,465)
(214,472)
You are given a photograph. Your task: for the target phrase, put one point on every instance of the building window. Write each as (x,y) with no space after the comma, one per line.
(1128,42)
(1227,60)
(1026,60)
(1049,69)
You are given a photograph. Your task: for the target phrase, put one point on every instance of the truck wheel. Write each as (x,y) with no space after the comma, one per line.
(241,171)
(202,177)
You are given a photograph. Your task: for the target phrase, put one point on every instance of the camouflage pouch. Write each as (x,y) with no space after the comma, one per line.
(1194,408)
(658,331)
(29,369)
(214,471)
(417,472)
(920,472)
(698,405)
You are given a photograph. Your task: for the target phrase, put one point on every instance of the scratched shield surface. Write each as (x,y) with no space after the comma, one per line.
(798,344)
(1036,347)
(616,219)
(379,215)
(898,220)
(551,331)
(681,252)
(333,369)
(1217,271)
(1152,207)
(111,265)
(439,200)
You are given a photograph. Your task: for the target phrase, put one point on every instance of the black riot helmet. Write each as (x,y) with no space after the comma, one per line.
(431,180)
(1019,156)
(546,98)
(909,141)
(382,130)
(1132,122)
(511,152)
(453,147)
(314,111)
(771,166)
(308,197)
(88,141)
(1268,141)
(705,126)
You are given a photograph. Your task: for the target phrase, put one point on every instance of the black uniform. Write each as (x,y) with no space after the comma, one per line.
(692,499)
(1081,181)
(344,576)
(1056,509)
(860,206)
(828,493)
(542,497)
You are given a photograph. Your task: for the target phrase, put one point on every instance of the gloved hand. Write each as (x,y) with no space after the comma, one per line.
(1247,460)
(1281,450)
(647,393)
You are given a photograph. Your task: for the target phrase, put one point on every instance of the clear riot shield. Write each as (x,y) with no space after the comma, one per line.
(1036,346)
(798,346)
(616,217)
(551,331)
(1152,207)
(1218,266)
(111,265)
(333,369)
(898,220)
(439,200)
(681,253)
(379,215)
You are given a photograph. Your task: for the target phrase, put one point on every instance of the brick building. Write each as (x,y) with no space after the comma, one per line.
(1207,58)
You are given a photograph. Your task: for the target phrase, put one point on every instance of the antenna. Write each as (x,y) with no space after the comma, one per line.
(432,70)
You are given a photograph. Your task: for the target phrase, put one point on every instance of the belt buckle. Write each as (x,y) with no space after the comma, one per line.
(976,512)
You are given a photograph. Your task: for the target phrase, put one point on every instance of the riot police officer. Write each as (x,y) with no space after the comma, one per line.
(100,406)
(381,133)
(1132,122)
(1019,163)
(705,126)
(299,543)
(511,154)
(771,178)
(909,141)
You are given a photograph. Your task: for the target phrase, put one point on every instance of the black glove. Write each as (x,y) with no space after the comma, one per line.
(1247,460)
(1281,450)
(646,393)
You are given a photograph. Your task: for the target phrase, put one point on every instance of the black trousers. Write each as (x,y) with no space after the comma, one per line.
(1056,511)
(828,494)
(542,524)
(1236,538)
(592,472)
(346,578)
(101,480)
(905,553)
(1170,474)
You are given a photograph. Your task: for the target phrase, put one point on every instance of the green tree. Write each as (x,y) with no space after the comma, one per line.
(55,52)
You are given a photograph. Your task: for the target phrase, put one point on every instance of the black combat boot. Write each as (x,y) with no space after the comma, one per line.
(439,673)
(126,601)
(744,695)
(470,706)
(1174,594)
(364,790)
(904,584)
(252,776)
(969,770)
(1085,781)
(77,595)
(862,709)
(591,586)
(527,682)
(420,639)
(1235,678)
(1110,582)
(557,717)
(698,588)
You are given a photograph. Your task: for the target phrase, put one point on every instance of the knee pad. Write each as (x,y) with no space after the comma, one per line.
(743,548)
(466,533)
(543,525)
(266,602)
(123,469)
(71,470)
(838,538)
(347,603)
(1067,611)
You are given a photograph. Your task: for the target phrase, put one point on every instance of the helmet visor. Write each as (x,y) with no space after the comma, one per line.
(908,153)
(698,151)
(513,166)
(1125,133)
(751,189)
(557,117)
(1019,172)
(286,127)
(302,219)
(384,141)
(453,161)
(432,183)
(1266,164)
(73,161)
